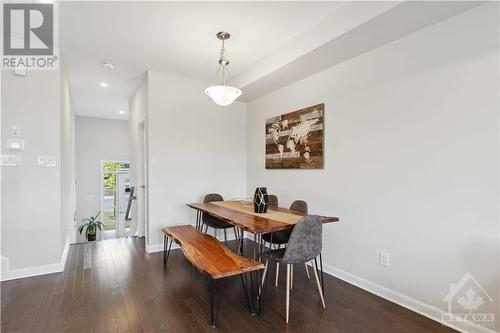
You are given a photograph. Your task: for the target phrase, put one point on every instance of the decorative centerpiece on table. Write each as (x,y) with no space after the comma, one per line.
(260,200)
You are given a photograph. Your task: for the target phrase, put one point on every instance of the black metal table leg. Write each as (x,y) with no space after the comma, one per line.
(242,235)
(261,247)
(213,310)
(254,245)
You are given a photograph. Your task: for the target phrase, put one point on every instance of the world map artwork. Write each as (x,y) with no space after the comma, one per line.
(295,140)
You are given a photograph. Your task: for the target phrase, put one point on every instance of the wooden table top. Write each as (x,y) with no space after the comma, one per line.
(251,223)
(209,255)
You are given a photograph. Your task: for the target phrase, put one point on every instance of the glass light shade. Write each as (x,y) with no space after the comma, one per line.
(223,95)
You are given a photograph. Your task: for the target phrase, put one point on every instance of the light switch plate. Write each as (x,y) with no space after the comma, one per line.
(47,161)
(15,131)
(383,259)
(20,71)
(11,160)
(15,144)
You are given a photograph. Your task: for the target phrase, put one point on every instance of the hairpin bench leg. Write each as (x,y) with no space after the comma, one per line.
(166,252)
(248,292)
(211,298)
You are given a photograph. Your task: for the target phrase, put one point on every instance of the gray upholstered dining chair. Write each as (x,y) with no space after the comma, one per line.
(272,200)
(299,205)
(303,246)
(212,221)
(281,237)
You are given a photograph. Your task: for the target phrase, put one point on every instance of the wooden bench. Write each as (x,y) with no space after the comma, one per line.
(210,257)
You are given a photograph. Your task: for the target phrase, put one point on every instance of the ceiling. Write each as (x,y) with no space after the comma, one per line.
(174,37)
(273,43)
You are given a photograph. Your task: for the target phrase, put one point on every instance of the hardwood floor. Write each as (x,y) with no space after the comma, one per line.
(114,286)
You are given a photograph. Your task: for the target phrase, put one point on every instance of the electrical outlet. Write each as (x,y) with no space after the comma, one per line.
(383,259)
(47,161)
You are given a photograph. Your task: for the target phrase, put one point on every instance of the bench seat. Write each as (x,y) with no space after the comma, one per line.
(210,257)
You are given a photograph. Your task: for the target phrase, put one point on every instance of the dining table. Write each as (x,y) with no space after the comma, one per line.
(241,214)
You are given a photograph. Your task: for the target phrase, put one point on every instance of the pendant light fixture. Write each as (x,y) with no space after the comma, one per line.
(222,93)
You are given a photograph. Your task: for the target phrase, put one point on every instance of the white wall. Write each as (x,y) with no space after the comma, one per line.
(411,161)
(96,140)
(68,171)
(31,196)
(138,107)
(198,147)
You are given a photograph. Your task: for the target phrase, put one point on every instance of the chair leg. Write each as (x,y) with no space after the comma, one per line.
(277,268)
(265,273)
(288,271)
(206,228)
(277,274)
(322,279)
(291,277)
(307,271)
(262,291)
(225,236)
(320,291)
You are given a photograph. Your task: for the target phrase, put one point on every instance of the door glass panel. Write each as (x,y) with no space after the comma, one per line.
(109,205)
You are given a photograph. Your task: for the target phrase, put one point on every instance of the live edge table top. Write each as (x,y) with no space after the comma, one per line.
(251,223)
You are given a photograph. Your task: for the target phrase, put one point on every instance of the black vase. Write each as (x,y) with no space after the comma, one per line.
(91,237)
(260,200)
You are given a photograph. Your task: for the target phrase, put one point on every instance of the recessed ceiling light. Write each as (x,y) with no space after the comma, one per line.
(121,112)
(104,84)
(108,65)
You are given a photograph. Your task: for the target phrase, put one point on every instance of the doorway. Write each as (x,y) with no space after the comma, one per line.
(115,194)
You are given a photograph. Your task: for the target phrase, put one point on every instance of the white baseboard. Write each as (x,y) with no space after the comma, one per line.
(64,256)
(8,274)
(405,301)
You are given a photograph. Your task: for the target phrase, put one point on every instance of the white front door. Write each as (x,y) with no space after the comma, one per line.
(115,195)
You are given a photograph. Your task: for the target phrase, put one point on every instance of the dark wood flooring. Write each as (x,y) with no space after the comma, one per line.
(114,286)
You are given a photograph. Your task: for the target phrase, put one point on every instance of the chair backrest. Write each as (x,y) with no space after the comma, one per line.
(211,197)
(305,241)
(272,200)
(299,205)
